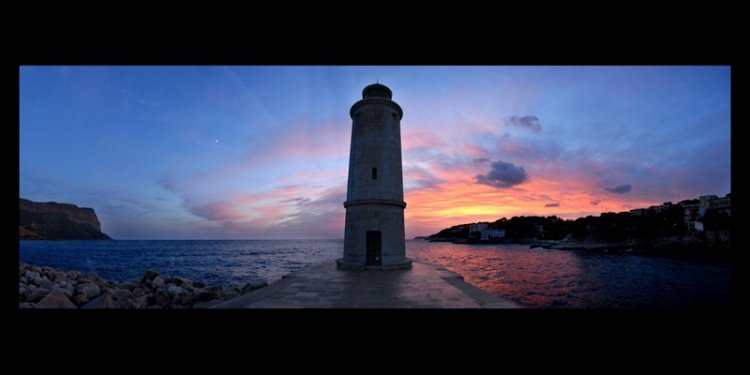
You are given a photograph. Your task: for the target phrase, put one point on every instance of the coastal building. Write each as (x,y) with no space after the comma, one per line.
(698,226)
(479,227)
(690,211)
(705,203)
(723,204)
(485,231)
(495,233)
(638,212)
(374,236)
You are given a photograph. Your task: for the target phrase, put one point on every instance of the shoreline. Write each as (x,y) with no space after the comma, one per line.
(49,287)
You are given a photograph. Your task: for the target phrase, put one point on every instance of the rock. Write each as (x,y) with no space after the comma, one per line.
(25,305)
(36,294)
(33,277)
(180,281)
(57,276)
(157,283)
(122,294)
(206,294)
(175,290)
(23,291)
(56,299)
(52,220)
(161,298)
(148,276)
(187,299)
(46,284)
(90,289)
(128,285)
(69,291)
(104,301)
(140,302)
(90,278)
(81,299)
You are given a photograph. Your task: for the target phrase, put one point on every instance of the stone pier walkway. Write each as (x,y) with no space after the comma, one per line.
(423,286)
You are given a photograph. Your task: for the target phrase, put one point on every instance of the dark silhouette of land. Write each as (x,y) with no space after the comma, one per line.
(57,221)
(684,227)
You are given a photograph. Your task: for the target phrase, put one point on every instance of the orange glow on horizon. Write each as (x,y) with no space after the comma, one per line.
(452,203)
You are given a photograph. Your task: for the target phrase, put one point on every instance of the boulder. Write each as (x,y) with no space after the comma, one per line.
(175,290)
(90,278)
(128,285)
(33,277)
(148,276)
(81,299)
(180,281)
(162,298)
(206,294)
(140,302)
(68,291)
(90,289)
(36,294)
(157,283)
(56,299)
(23,291)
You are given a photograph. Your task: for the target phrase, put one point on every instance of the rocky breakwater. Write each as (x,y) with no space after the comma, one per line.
(47,287)
(57,221)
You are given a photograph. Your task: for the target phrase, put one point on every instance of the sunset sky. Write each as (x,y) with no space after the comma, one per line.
(262,152)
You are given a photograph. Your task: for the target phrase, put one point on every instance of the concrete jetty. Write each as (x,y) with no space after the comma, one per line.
(324,286)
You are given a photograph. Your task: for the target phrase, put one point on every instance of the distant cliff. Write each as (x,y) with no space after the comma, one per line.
(58,221)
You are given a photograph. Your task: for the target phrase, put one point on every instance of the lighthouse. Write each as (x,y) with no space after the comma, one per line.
(374,235)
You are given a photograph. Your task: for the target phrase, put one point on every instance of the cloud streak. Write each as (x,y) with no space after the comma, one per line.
(619,189)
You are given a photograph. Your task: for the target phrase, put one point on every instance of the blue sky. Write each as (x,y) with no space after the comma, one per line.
(262,152)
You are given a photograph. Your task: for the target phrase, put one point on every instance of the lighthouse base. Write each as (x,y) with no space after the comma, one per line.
(344,265)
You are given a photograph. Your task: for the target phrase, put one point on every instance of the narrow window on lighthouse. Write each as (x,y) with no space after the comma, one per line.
(374,173)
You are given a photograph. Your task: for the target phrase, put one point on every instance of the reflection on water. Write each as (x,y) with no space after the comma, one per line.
(531,277)
(558,278)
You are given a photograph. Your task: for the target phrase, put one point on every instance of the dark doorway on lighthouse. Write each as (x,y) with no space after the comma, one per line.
(373,248)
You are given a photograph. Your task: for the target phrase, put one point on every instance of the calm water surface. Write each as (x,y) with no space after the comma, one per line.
(532,277)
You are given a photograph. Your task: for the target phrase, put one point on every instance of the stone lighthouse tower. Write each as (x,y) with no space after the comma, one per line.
(374,237)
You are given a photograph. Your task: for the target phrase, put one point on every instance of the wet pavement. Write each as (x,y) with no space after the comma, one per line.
(424,286)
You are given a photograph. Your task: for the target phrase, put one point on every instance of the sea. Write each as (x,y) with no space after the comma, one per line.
(534,278)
